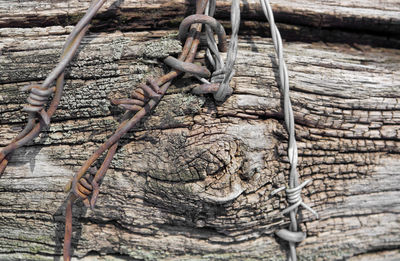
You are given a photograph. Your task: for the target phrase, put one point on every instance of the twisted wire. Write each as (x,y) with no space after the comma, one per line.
(223,72)
(294,197)
(37,99)
(88,184)
(213,55)
(38,117)
(293,193)
(84,185)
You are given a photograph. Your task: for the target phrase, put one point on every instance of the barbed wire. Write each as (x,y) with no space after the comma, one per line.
(293,192)
(38,117)
(85,184)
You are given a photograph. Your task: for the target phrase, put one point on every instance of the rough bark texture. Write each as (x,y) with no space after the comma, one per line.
(193,181)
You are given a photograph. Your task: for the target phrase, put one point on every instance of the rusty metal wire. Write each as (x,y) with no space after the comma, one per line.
(293,193)
(38,117)
(224,72)
(212,26)
(85,184)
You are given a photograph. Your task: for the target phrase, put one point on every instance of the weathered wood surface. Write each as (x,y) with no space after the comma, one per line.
(375,23)
(355,14)
(192,182)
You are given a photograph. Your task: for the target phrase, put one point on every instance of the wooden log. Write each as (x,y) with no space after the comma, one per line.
(375,23)
(193,180)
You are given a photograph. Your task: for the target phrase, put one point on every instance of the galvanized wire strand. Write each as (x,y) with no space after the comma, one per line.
(39,94)
(293,193)
(228,70)
(213,55)
(223,72)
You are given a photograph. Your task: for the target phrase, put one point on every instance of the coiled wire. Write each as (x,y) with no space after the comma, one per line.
(140,96)
(88,183)
(37,99)
(294,190)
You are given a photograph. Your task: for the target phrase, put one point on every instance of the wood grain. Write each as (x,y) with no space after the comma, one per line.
(193,181)
(375,23)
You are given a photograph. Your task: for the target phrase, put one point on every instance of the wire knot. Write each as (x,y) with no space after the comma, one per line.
(37,99)
(140,96)
(223,77)
(219,85)
(291,236)
(294,198)
(86,187)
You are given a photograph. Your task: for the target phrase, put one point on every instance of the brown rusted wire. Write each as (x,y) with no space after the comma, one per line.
(38,117)
(208,20)
(142,101)
(192,68)
(85,184)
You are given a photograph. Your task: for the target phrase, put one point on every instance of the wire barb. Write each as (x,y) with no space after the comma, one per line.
(192,68)
(85,184)
(37,99)
(38,117)
(140,96)
(294,198)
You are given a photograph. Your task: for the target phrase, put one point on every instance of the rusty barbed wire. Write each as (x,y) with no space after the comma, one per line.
(139,97)
(85,184)
(37,99)
(38,117)
(293,193)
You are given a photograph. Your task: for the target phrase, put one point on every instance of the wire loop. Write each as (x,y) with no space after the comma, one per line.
(204,19)
(290,236)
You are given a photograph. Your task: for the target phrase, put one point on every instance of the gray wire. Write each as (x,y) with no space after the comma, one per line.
(294,190)
(223,73)
(212,52)
(224,89)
